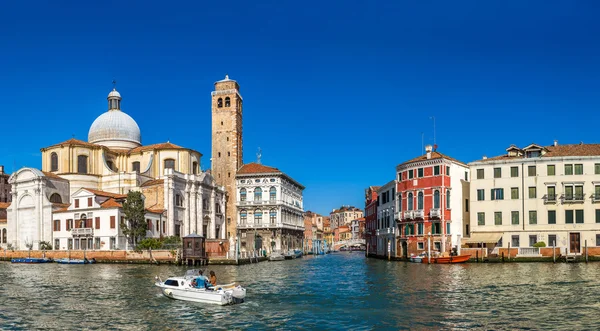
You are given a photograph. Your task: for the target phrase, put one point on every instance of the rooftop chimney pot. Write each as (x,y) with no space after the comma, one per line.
(555,142)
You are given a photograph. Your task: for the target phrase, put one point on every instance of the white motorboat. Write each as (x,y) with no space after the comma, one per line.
(276,256)
(417,258)
(181,288)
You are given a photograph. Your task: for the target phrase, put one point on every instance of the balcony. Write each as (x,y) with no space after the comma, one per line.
(435,213)
(408,215)
(596,198)
(549,198)
(419,213)
(87,232)
(576,198)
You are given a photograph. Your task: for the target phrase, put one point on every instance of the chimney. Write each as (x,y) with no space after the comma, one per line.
(555,142)
(428,149)
(1,170)
(485,157)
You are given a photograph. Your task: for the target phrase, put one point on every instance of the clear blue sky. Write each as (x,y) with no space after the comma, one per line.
(335,93)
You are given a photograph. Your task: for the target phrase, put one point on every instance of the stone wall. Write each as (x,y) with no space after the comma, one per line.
(100,256)
(216,247)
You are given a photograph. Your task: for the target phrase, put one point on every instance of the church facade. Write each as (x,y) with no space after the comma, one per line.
(178,194)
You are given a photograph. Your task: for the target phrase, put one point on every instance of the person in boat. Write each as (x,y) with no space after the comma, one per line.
(213,278)
(200,281)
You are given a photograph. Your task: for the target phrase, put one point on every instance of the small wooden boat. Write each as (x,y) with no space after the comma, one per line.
(75,261)
(31,260)
(447,259)
(276,256)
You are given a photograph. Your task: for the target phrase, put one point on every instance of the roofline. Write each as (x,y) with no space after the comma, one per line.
(280,173)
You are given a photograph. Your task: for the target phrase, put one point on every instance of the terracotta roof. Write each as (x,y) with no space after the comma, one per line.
(166,145)
(157,211)
(110,203)
(555,151)
(52,175)
(74,141)
(4,205)
(434,155)
(252,168)
(106,194)
(153,182)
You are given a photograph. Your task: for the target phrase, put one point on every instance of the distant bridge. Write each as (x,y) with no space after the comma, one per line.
(347,243)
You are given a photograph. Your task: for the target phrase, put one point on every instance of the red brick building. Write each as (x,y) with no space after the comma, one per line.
(430,191)
(371,218)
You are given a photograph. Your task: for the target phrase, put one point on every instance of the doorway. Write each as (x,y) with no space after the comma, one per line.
(405,249)
(574,242)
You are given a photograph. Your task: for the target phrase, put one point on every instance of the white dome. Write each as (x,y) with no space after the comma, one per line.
(114,126)
(114,93)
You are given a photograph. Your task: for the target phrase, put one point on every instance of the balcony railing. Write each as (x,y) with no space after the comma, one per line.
(573,198)
(529,251)
(82,232)
(408,215)
(549,198)
(419,213)
(596,198)
(435,213)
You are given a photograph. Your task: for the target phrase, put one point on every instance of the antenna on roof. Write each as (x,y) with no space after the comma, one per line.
(258,156)
(433,118)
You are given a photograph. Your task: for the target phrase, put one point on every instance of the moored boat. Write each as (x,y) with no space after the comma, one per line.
(447,259)
(75,261)
(417,258)
(298,253)
(276,256)
(183,288)
(31,260)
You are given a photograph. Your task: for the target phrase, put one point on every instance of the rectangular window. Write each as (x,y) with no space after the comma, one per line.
(420,172)
(420,246)
(56,225)
(113,243)
(498,218)
(70,243)
(56,244)
(568,217)
(532,240)
(420,229)
(68,224)
(448,228)
(532,217)
(497,194)
(467,205)
(514,171)
(597,215)
(568,169)
(552,240)
(597,193)
(466,176)
(479,173)
(76,243)
(97,223)
(96,243)
(551,216)
(532,192)
(579,169)
(568,192)
(447,170)
(89,202)
(437,246)
(149,224)
(551,170)
(480,218)
(76,203)
(597,168)
(579,216)
(514,192)
(480,195)
(436,228)
(165,227)
(579,192)
(531,171)
(514,217)
(598,240)
(497,172)
(410,174)
(551,193)
(515,240)
(436,170)
(112,222)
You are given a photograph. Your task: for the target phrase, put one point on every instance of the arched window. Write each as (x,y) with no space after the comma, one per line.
(82,164)
(257,216)
(273,216)
(436,199)
(110,165)
(447,199)
(257,194)
(220,103)
(195,168)
(420,201)
(227,102)
(82,220)
(135,166)
(169,164)
(273,193)
(55,198)
(410,201)
(53,162)
(243,194)
(243,216)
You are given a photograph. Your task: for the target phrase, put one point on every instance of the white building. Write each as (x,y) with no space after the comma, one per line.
(113,160)
(386,224)
(537,193)
(270,209)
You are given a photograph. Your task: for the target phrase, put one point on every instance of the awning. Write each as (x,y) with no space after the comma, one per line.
(483,237)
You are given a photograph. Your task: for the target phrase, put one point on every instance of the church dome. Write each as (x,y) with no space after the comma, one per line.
(115,128)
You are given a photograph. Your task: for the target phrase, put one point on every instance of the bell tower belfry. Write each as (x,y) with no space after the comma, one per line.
(227,143)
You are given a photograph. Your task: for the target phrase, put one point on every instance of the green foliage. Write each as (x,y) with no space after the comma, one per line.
(172,240)
(149,243)
(539,244)
(134,225)
(45,246)
(10,247)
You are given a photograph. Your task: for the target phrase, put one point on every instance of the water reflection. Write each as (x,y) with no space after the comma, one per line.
(337,291)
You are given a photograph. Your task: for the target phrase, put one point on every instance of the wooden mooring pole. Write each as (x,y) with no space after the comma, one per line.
(477,256)
(502,257)
(554,251)
(586,252)
(509,251)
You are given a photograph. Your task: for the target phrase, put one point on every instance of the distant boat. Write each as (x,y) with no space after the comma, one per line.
(298,253)
(276,256)
(417,258)
(75,261)
(31,260)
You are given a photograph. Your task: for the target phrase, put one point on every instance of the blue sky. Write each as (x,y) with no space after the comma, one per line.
(336,93)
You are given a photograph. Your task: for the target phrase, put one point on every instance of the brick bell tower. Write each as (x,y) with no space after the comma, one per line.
(227,143)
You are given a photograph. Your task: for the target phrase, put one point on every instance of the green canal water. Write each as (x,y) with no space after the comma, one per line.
(340,291)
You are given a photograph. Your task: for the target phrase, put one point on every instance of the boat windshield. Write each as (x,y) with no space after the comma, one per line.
(171,282)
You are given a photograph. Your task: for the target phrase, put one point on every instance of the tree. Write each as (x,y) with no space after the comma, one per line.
(134,225)
(45,246)
(149,243)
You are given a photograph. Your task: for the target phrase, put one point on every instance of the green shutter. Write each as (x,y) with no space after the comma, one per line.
(568,216)
(579,216)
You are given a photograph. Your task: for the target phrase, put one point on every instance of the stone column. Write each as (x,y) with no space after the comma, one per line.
(187,205)
(193,211)
(169,206)
(201,213)
(213,214)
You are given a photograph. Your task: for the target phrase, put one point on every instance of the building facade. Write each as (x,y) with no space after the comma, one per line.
(5,195)
(227,143)
(371,204)
(270,214)
(547,194)
(430,203)
(344,215)
(386,224)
